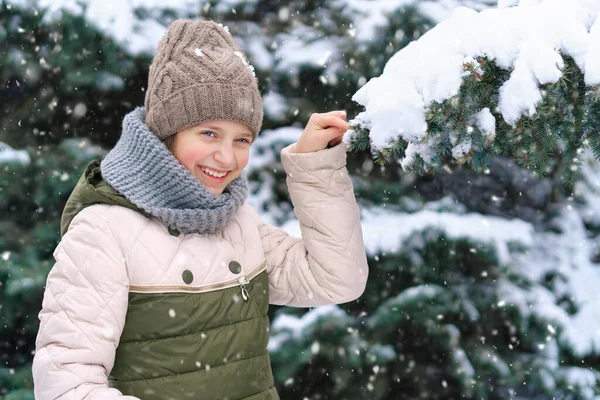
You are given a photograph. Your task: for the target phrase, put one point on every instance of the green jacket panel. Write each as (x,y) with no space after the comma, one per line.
(226,382)
(210,344)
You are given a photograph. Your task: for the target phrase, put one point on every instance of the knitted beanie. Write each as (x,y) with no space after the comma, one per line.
(199,73)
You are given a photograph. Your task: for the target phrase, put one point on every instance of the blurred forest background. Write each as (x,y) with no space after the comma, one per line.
(482,286)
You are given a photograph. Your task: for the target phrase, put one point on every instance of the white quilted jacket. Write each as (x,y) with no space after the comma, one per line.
(110,250)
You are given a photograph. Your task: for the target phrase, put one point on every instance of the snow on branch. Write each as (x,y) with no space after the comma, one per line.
(526,46)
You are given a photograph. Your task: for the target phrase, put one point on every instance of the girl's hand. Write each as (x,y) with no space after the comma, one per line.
(322,131)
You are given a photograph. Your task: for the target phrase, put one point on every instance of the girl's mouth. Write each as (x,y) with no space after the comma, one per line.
(214,176)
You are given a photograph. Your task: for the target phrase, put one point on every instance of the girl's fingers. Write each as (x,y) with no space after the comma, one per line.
(329,120)
(334,142)
(331,134)
(338,113)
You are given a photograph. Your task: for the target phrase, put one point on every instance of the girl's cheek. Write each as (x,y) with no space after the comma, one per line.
(188,159)
(243,159)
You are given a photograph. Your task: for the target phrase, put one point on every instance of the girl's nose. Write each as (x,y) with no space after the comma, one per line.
(225,156)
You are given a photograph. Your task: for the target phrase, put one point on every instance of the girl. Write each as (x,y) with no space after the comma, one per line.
(164,274)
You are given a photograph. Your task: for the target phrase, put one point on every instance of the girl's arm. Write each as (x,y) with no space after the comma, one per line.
(329,264)
(83,314)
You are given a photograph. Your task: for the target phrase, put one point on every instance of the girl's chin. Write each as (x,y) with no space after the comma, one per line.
(215,191)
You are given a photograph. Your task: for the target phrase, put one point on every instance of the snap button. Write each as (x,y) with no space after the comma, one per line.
(235,267)
(187,276)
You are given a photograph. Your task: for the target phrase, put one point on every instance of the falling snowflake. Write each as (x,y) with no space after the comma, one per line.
(315,347)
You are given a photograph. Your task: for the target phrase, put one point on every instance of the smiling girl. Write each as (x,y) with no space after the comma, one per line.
(199,149)
(164,273)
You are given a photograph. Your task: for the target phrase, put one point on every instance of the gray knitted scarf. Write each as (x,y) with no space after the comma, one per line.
(142,169)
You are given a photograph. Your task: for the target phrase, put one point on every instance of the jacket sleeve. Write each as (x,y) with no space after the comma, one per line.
(83,313)
(329,264)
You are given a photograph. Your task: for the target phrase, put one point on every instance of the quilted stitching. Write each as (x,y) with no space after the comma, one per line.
(77,308)
(323,166)
(329,265)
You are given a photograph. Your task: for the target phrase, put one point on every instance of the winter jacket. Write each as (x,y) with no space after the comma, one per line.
(134,310)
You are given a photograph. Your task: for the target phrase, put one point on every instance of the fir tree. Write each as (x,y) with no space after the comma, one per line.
(480,272)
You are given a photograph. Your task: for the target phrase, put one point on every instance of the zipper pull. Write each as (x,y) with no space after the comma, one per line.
(243,283)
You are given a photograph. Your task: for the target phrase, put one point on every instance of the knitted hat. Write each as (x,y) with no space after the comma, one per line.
(199,73)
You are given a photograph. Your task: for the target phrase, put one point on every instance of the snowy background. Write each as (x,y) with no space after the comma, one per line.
(496,273)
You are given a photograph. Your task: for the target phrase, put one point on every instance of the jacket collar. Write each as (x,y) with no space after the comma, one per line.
(92,189)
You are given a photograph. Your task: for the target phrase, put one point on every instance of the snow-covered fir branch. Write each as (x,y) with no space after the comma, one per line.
(530,40)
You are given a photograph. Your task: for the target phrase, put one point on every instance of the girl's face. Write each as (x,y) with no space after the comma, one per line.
(216,152)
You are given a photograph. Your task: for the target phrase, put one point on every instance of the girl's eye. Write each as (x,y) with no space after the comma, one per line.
(208,133)
(244,140)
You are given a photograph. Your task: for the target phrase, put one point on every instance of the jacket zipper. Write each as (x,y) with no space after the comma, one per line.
(242,282)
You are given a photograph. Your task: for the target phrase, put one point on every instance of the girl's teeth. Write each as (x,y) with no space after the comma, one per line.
(215,174)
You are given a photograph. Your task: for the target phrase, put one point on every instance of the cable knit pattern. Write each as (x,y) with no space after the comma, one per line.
(199,73)
(142,169)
